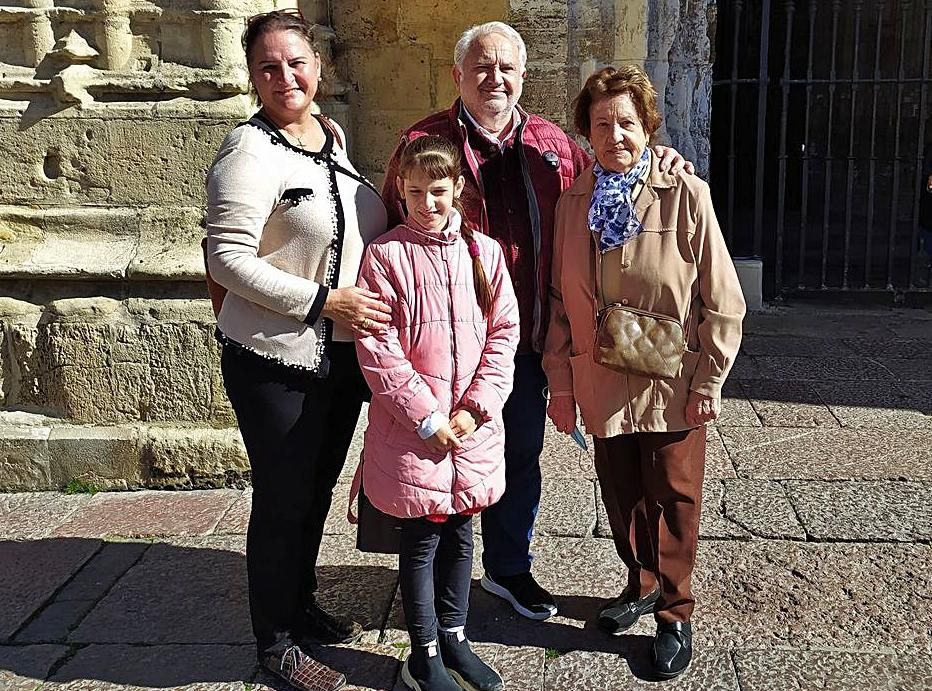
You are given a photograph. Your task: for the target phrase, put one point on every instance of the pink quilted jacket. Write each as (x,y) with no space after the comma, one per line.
(439,353)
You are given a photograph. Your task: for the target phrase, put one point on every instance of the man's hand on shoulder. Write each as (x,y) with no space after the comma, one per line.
(670,159)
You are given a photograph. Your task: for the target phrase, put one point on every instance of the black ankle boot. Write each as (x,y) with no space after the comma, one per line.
(424,670)
(465,666)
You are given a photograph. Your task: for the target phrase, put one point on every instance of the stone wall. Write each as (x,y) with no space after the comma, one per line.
(110,113)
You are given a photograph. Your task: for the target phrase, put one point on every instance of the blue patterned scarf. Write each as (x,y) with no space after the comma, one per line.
(611,211)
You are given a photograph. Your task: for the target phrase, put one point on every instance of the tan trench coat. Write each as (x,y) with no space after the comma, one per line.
(678,266)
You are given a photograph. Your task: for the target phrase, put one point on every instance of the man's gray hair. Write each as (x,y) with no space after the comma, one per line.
(473,33)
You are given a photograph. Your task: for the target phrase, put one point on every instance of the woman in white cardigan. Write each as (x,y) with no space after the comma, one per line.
(288,219)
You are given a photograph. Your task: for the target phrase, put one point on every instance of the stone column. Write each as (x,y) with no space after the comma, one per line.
(41,36)
(116,37)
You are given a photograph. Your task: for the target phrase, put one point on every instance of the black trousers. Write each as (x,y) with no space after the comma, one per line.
(435,572)
(297,430)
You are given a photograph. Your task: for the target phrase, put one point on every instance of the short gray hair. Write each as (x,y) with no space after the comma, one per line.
(473,33)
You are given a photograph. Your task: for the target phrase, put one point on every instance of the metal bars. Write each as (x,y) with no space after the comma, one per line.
(825,142)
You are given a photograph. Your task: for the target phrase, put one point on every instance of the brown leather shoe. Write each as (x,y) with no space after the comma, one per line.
(304,672)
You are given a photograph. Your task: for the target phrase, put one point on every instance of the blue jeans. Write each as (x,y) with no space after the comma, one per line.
(507,527)
(435,568)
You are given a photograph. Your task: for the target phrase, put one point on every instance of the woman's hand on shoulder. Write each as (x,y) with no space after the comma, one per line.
(701,409)
(562,412)
(357,308)
(672,160)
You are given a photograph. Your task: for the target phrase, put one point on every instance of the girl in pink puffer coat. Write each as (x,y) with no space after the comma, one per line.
(440,375)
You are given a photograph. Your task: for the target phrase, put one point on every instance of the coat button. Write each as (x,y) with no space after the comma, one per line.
(624,301)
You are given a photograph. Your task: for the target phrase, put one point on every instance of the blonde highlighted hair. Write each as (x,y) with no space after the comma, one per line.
(438,159)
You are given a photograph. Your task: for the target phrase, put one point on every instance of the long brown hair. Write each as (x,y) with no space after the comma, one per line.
(437,158)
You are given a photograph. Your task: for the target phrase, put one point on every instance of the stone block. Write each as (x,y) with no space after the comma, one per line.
(32,572)
(392,71)
(67,243)
(18,357)
(24,458)
(567,508)
(106,457)
(788,403)
(169,245)
(835,670)
(737,410)
(192,666)
(380,137)
(24,667)
(762,508)
(773,594)
(445,89)
(31,516)
(236,520)
(785,453)
(53,623)
(714,524)
(193,458)
(151,605)
(866,405)
(864,510)
(149,514)
(130,157)
(104,569)
(366,21)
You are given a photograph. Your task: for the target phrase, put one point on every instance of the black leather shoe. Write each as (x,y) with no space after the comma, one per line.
(620,614)
(673,649)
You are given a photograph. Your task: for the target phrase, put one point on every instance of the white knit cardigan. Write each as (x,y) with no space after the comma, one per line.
(282,223)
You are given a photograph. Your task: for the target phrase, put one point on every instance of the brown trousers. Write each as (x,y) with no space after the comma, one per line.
(651,485)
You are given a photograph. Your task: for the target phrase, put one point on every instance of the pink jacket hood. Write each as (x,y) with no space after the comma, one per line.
(439,353)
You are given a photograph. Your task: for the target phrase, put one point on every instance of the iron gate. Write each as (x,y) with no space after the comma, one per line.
(820,123)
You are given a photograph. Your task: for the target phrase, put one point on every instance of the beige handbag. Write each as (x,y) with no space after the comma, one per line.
(632,340)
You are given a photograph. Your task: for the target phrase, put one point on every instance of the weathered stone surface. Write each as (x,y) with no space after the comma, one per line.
(30,516)
(908,369)
(561,458)
(772,594)
(106,457)
(18,357)
(714,524)
(736,408)
(147,514)
(188,458)
(711,670)
(194,667)
(789,403)
(169,245)
(99,574)
(53,623)
(777,453)
(32,572)
(24,458)
(567,508)
(67,243)
(23,668)
(780,345)
(864,511)
(866,405)
(820,369)
(769,670)
(762,508)
(891,347)
(151,605)
(236,520)
(717,462)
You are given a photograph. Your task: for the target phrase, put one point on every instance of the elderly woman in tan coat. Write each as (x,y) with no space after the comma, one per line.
(630,236)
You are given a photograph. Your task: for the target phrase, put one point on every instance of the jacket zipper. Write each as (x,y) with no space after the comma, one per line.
(445,253)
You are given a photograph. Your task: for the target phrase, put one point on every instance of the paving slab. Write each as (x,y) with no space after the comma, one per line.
(717,461)
(784,453)
(866,405)
(815,321)
(99,574)
(762,508)
(713,523)
(236,520)
(775,594)
(567,508)
(167,667)
(55,622)
(745,367)
(793,345)
(890,347)
(34,515)
(822,369)
(908,369)
(737,410)
(830,670)
(149,514)
(562,458)
(152,605)
(788,403)
(710,670)
(32,572)
(23,668)
(861,511)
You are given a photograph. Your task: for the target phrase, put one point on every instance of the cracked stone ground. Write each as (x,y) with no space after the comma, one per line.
(814,567)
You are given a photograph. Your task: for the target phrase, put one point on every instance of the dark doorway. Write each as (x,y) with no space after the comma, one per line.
(820,120)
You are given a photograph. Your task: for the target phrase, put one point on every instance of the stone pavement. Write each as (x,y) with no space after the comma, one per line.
(814,567)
